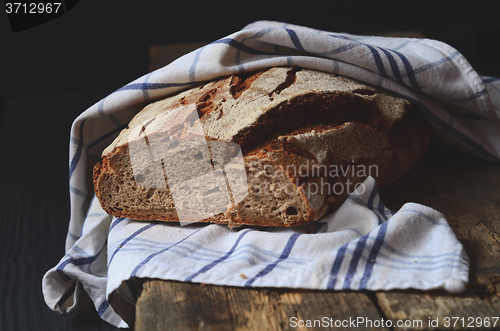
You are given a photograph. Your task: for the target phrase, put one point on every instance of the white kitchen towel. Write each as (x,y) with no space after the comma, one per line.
(361,246)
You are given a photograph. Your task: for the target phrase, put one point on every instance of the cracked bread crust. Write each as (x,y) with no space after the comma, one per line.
(295,127)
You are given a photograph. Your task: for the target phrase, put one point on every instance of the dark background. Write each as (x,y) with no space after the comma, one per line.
(51,73)
(104,44)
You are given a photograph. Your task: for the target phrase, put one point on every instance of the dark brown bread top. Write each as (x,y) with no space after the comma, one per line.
(282,117)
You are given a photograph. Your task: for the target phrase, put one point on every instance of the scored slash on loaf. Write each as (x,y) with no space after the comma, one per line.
(276,147)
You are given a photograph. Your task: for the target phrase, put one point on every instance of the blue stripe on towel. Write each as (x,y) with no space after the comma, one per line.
(192,70)
(270,267)
(337,263)
(409,71)
(77,262)
(124,242)
(356,256)
(370,204)
(372,257)
(394,66)
(155,86)
(139,266)
(295,39)
(244,48)
(378,60)
(67,295)
(107,135)
(477,147)
(214,263)
(78,153)
(103,307)
(115,223)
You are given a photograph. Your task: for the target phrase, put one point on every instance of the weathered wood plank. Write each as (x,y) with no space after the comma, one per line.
(467,191)
(169,305)
(442,309)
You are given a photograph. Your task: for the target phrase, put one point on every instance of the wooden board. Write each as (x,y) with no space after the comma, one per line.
(184,306)
(466,189)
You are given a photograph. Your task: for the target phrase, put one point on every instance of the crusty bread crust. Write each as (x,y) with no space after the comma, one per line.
(295,127)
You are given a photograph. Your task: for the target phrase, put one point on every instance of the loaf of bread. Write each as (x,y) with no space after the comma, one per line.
(276,147)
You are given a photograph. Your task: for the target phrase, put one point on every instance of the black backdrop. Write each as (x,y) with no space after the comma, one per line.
(52,72)
(105,43)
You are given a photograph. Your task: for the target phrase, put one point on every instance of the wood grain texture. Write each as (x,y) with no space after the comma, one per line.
(436,305)
(467,191)
(464,188)
(169,305)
